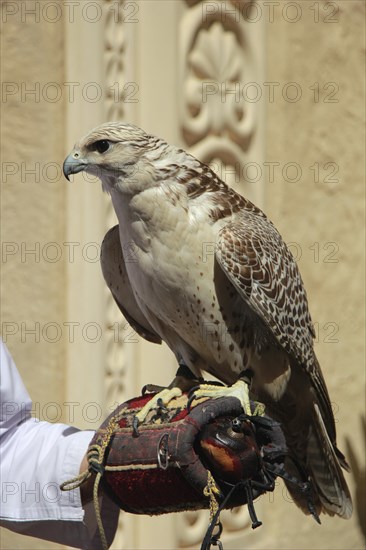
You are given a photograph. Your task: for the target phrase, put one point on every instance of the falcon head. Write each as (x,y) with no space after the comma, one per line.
(117,154)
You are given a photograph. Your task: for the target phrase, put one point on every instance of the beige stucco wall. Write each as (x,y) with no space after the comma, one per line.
(32,214)
(306,212)
(32,206)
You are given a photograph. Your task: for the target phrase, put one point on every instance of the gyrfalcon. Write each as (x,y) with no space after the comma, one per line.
(195,264)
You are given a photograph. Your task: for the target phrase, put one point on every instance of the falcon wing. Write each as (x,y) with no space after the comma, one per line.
(258,263)
(116,277)
(254,257)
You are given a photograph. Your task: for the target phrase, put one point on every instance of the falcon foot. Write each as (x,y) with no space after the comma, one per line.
(240,390)
(152,388)
(157,402)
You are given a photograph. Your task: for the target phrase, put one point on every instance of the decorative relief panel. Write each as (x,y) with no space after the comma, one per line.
(114,46)
(114,49)
(212,87)
(117,359)
(216,64)
(219,127)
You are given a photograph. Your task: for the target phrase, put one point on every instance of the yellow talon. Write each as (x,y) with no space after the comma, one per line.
(240,390)
(162,398)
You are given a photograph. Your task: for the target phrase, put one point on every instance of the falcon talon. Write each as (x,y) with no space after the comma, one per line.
(193,390)
(190,401)
(160,405)
(161,413)
(152,388)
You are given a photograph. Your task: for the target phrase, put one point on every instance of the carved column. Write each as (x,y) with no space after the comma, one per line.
(120,339)
(116,329)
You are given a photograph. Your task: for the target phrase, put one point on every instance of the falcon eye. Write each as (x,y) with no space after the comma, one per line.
(101,146)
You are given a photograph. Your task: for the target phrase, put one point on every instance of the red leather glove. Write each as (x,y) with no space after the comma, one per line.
(166,467)
(211,456)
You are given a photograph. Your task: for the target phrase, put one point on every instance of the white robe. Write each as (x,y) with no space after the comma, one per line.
(35,458)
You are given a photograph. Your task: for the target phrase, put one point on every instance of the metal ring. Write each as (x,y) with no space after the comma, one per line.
(162,455)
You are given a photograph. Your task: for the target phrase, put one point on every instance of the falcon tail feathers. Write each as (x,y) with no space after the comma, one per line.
(324,462)
(328,492)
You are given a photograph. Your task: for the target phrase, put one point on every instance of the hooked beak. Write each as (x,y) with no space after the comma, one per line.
(73,164)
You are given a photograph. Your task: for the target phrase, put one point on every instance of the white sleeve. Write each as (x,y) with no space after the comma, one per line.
(35,458)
